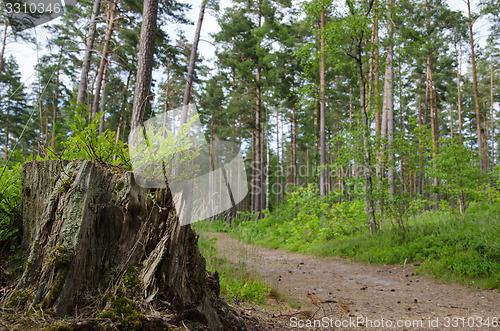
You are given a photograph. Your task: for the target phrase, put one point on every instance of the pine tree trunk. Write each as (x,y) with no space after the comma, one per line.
(82,87)
(316,126)
(402,185)
(459,76)
(54,106)
(420,176)
(486,144)
(430,98)
(278,165)
(258,157)
(46,138)
(367,170)
(102,106)
(282,182)
(322,112)
(145,62)
(388,104)
(431,102)
(7,132)
(434,127)
(374,70)
(4,44)
(351,169)
(40,131)
(293,161)
(491,118)
(192,62)
(451,122)
(263,176)
(476,93)
(110,18)
(253,194)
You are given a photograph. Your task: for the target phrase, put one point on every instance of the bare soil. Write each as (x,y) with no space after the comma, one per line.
(340,294)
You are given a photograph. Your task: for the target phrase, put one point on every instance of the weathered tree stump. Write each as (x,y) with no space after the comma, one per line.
(83,225)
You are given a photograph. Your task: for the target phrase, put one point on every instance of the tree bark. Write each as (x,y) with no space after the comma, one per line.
(491,118)
(82,87)
(459,76)
(451,123)
(369,208)
(322,112)
(388,104)
(402,185)
(434,126)
(253,186)
(278,165)
(110,18)
(145,62)
(374,69)
(192,62)
(257,161)
(293,159)
(282,188)
(263,176)
(104,95)
(84,226)
(433,111)
(476,93)
(4,44)
(7,132)
(54,105)
(420,179)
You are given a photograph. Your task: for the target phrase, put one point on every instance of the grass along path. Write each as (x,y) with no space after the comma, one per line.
(340,290)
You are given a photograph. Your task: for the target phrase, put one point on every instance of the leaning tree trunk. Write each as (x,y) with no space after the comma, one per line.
(192,63)
(84,225)
(82,87)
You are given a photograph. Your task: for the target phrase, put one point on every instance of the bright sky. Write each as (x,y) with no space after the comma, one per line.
(26,54)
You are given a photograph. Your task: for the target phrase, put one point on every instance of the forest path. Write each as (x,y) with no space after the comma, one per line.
(351,293)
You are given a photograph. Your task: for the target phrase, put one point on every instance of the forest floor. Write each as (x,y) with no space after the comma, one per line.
(340,294)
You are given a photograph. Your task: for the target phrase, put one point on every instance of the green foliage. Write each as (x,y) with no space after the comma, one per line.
(126,312)
(235,289)
(457,167)
(163,153)
(123,301)
(10,213)
(85,142)
(401,207)
(132,282)
(236,282)
(14,108)
(302,223)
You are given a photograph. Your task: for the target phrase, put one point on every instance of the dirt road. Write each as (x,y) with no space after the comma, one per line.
(345,295)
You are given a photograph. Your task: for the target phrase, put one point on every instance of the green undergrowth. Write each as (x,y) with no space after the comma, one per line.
(236,282)
(446,245)
(10,207)
(460,248)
